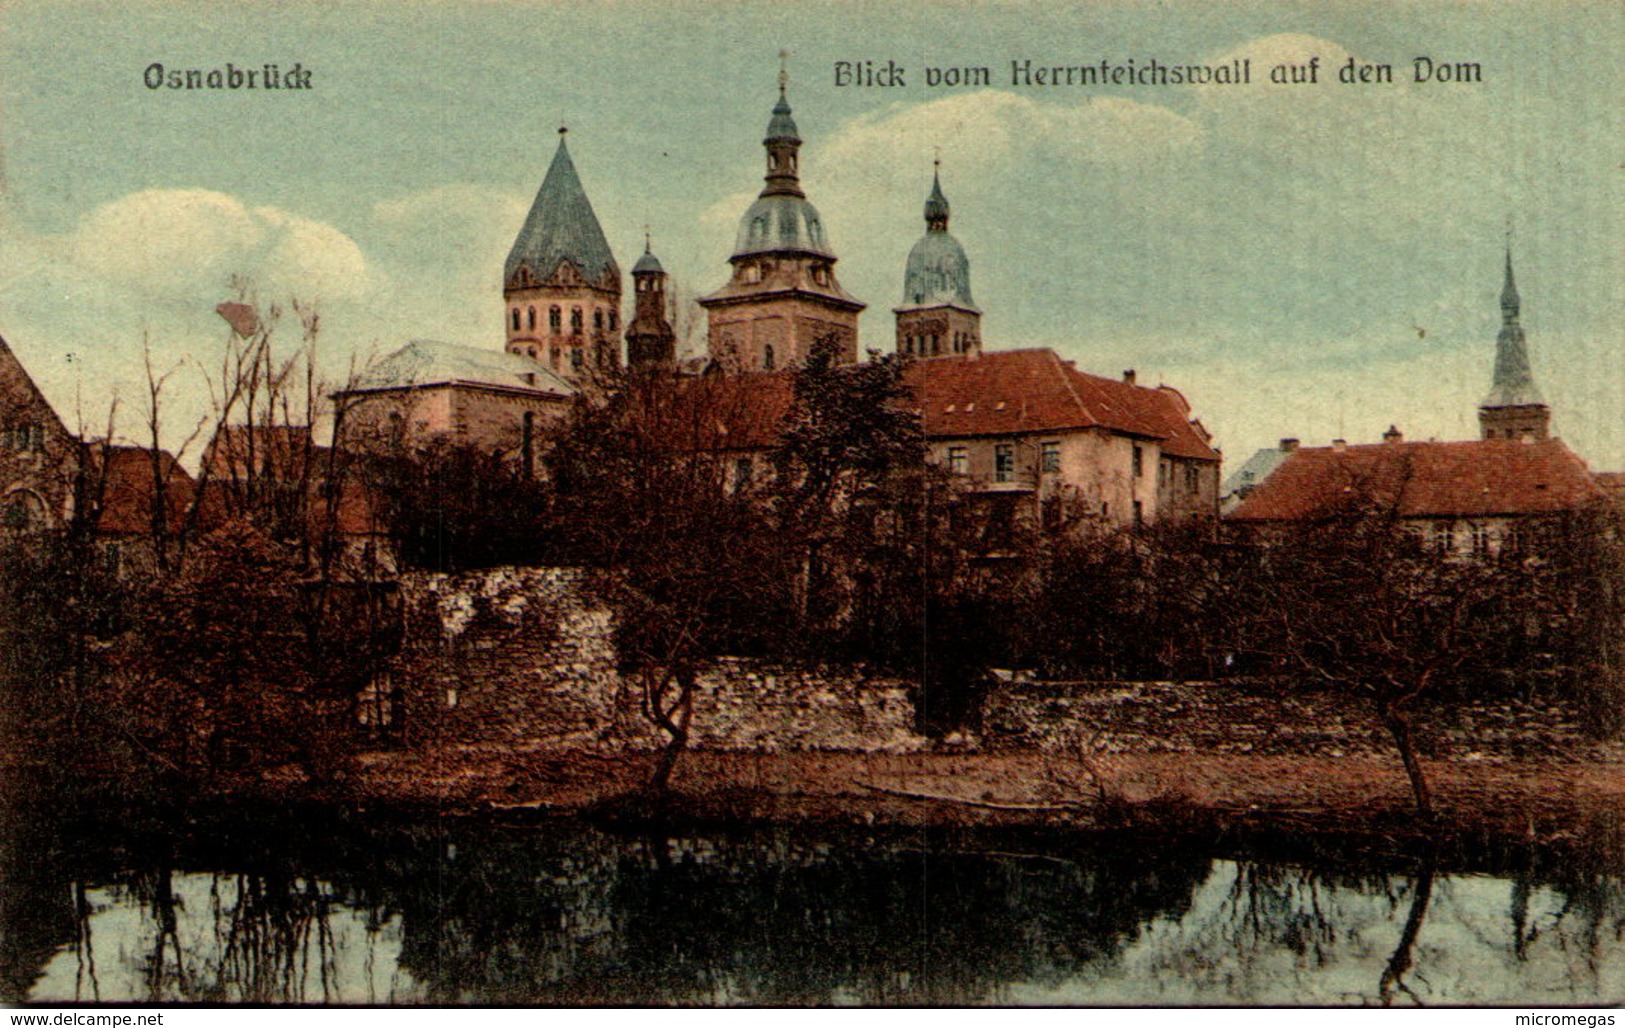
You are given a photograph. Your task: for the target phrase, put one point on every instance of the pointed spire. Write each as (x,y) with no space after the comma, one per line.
(1509,290)
(936,205)
(561,226)
(1513,383)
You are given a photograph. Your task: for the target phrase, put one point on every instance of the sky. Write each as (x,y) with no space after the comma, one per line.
(1310,260)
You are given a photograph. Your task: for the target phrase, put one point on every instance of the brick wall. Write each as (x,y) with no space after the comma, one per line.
(523,655)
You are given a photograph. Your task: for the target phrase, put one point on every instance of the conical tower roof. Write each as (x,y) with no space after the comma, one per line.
(561,226)
(1513,383)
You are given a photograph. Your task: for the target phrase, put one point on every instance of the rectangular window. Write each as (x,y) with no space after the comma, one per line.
(1193,479)
(958,461)
(1481,539)
(1004,463)
(1139,513)
(1139,462)
(1444,537)
(1051,455)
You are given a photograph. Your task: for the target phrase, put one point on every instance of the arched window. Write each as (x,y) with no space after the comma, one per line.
(532,318)
(575,321)
(553,320)
(767,358)
(577,358)
(614,321)
(516,319)
(598,321)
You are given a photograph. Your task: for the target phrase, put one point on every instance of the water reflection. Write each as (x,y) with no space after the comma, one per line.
(565,913)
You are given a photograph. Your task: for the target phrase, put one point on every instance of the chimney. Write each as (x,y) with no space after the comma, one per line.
(1340,445)
(1393,435)
(1128,377)
(1289,445)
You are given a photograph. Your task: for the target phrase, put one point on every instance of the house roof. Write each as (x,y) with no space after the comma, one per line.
(1486,477)
(1009,392)
(1241,483)
(278,450)
(128,492)
(427,362)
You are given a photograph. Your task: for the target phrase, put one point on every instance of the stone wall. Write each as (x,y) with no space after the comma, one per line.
(1266,717)
(525,656)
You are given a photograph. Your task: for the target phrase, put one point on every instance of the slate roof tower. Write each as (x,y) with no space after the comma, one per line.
(650,340)
(937,317)
(561,285)
(783,295)
(1514,408)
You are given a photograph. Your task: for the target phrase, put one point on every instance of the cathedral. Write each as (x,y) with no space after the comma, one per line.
(1024,428)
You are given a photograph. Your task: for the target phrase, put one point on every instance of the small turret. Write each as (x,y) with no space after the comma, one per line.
(650,341)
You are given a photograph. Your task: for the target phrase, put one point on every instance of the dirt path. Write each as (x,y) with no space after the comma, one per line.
(1518,800)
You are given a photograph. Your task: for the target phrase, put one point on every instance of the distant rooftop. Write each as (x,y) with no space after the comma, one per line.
(426,362)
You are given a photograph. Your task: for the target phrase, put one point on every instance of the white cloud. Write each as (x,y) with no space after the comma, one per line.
(183,245)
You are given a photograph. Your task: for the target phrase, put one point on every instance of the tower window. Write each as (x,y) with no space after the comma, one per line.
(598,321)
(531,318)
(614,321)
(553,320)
(515,319)
(767,358)
(575,321)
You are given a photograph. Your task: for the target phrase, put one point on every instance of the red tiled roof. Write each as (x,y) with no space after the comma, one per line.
(1611,482)
(277,448)
(125,476)
(1008,392)
(1424,479)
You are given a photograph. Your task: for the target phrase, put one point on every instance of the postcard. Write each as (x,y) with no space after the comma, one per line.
(861,503)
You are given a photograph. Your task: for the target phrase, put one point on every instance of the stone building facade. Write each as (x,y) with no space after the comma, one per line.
(39,457)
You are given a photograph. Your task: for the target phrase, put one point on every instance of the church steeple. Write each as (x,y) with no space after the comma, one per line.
(937,318)
(782,297)
(1514,408)
(561,285)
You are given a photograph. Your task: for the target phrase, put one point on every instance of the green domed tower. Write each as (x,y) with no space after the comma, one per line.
(937,318)
(783,295)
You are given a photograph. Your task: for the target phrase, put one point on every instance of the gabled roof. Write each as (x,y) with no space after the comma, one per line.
(277,450)
(426,362)
(1489,477)
(17,387)
(561,226)
(1010,392)
(128,489)
(1243,481)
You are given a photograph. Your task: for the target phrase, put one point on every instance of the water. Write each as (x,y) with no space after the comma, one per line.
(566,913)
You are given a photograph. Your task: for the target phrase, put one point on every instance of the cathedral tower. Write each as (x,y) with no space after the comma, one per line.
(650,341)
(937,317)
(1514,408)
(782,296)
(561,286)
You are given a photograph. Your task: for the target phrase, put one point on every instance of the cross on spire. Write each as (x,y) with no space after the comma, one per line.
(784,70)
